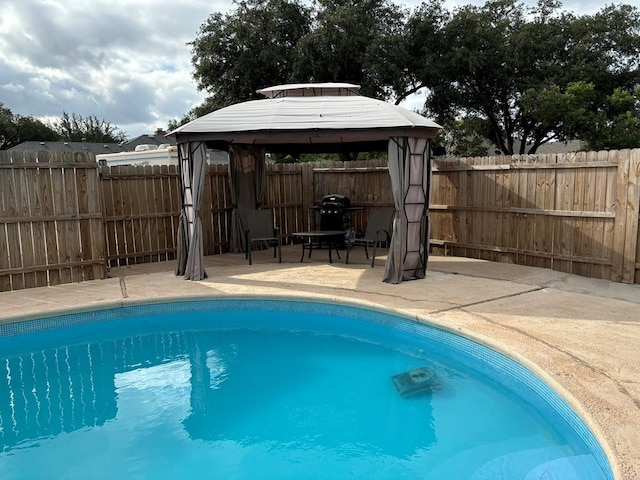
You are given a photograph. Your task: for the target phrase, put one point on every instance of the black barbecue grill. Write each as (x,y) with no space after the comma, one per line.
(334,213)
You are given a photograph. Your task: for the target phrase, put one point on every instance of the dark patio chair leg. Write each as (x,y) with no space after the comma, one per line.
(373,257)
(248,249)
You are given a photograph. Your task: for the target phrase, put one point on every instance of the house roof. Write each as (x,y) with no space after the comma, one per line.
(99,148)
(96,148)
(158,138)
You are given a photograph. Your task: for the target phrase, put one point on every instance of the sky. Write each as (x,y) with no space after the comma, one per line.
(123,61)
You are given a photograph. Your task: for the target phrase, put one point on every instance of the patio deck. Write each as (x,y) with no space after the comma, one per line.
(581,335)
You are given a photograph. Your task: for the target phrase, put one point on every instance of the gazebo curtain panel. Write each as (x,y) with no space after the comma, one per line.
(192,159)
(410,172)
(247,180)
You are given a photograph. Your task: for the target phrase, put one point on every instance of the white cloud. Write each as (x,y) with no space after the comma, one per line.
(122,61)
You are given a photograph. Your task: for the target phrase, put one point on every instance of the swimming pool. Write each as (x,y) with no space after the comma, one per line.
(274,389)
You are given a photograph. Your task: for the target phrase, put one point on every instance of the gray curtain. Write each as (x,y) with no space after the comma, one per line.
(410,172)
(247,179)
(192,160)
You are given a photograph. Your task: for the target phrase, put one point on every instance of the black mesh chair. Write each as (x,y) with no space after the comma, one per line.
(260,228)
(378,230)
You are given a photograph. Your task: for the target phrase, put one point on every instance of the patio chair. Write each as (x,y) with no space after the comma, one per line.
(260,228)
(378,230)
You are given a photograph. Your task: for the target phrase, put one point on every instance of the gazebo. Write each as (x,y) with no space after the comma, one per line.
(308,118)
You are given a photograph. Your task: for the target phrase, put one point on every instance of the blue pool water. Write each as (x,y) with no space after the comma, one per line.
(271,389)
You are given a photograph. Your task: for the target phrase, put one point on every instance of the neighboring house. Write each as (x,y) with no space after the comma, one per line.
(158,138)
(545,148)
(549,147)
(97,148)
(143,154)
(149,155)
(152,149)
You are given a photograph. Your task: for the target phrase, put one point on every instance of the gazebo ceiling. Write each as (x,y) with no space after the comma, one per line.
(308,117)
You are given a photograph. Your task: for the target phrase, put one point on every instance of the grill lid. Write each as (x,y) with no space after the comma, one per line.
(337,200)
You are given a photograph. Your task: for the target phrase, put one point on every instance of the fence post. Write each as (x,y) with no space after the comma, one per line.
(625,235)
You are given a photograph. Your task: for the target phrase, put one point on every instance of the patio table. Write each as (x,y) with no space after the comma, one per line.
(332,237)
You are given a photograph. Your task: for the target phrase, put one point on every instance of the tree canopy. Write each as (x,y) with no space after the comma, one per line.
(485,68)
(237,53)
(502,53)
(75,128)
(351,41)
(15,129)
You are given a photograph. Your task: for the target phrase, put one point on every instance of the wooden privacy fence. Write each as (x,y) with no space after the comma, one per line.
(50,220)
(64,219)
(575,213)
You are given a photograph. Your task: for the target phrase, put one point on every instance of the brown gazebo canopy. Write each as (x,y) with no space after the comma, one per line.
(321,117)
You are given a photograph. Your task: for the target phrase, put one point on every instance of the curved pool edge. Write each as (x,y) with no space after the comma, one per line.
(579,409)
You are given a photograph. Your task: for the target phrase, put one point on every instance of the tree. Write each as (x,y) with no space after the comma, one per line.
(15,129)
(354,41)
(271,42)
(460,138)
(501,51)
(251,48)
(75,128)
(580,112)
(186,118)
(620,125)
(426,46)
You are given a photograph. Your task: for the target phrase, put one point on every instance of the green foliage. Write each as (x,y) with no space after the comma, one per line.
(614,124)
(270,42)
(425,36)
(355,41)
(502,53)
(581,112)
(174,123)
(75,128)
(460,138)
(326,157)
(15,129)
(251,48)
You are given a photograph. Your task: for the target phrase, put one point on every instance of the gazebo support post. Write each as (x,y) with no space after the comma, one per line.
(410,172)
(192,160)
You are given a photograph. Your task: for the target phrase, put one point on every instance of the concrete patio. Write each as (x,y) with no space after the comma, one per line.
(581,335)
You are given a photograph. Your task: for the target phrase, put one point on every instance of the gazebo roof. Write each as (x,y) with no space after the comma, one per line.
(331,114)
(310,90)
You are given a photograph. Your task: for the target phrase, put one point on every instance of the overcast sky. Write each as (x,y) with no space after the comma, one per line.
(124,61)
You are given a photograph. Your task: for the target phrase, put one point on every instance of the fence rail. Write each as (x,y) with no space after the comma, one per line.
(64,219)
